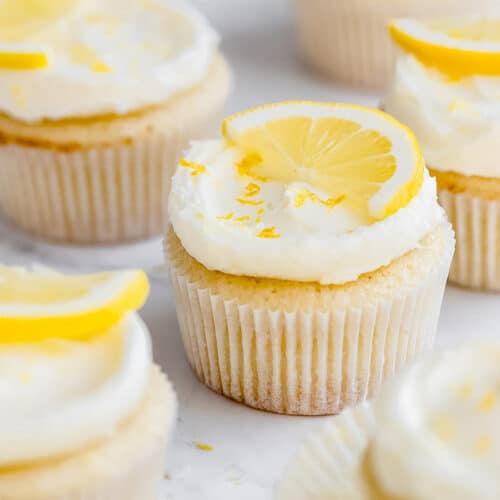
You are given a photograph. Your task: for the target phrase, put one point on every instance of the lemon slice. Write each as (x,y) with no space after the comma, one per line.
(456,48)
(41,304)
(357,154)
(22,57)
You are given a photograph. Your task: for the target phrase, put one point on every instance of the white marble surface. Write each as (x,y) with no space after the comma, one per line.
(250,448)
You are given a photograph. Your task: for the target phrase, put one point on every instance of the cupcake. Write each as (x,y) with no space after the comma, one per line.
(433,434)
(446,88)
(308,255)
(347,39)
(97,100)
(86,415)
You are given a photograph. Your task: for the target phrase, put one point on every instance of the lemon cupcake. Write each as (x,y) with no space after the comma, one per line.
(97,100)
(86,415)
(446,88)
(308,255)
(444,410)
(347,39)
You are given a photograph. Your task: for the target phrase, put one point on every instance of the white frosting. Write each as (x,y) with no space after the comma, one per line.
(316,243)
(457,123)
(437,428)
(151,49)
(58,396)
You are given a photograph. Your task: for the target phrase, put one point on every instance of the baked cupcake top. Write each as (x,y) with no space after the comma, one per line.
(446,88)
(75,360)
(75,58)
(304,191)
(437,432)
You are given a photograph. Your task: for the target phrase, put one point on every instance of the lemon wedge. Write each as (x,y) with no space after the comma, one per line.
(42,304)
(357,154)
(456,48)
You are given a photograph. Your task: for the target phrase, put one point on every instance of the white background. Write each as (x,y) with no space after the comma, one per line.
(250,448)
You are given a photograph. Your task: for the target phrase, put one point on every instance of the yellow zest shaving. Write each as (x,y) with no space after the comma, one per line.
(19,96)
(464,392)
(249,202)
(244,218)
(200,216)
(488,402)
(86,56)
(251,189)
(444,427)
(196,167)
(260,212)
(304,195)
(203,447)
(245,166)
(483,445)
(228,216)
(269,232)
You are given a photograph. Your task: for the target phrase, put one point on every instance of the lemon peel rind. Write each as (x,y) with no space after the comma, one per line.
(23,61)
(83,325)
(451,60)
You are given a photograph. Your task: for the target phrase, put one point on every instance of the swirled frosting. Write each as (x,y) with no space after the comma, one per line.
(457,123)
(60,396)
(239,225)
(109,56)
(437,428)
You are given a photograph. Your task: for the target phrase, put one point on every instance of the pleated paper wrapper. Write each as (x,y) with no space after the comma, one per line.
(307,363)
(129,467)
(98,195)
(348,39)
(327,466)
(476,222)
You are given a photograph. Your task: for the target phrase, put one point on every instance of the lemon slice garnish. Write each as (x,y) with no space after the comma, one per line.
(354,153)
(456,48)
(19,57)
(41,304)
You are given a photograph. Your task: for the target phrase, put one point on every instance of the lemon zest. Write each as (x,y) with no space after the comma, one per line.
(196,167)
(269,232)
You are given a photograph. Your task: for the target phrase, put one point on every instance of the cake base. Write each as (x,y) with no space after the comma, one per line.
(103,179)
(473,207)
(127,466)
(302,348)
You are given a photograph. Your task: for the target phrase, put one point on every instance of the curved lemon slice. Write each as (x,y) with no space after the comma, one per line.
(22,57)
(42,304)
(357,154)
(456,48)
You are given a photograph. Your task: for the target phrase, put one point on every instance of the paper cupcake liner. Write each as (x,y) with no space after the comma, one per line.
(99,195)
(325,467)
(307,363)
(348,39)
(476,222)
(129,467)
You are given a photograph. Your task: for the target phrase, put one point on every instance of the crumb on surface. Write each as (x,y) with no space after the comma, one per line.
(203,446)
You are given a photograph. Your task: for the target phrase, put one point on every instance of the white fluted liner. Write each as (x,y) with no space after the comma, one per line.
(348,39)
(104,195)
(130,466)
(325,467)
(308,363)
(476,222)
